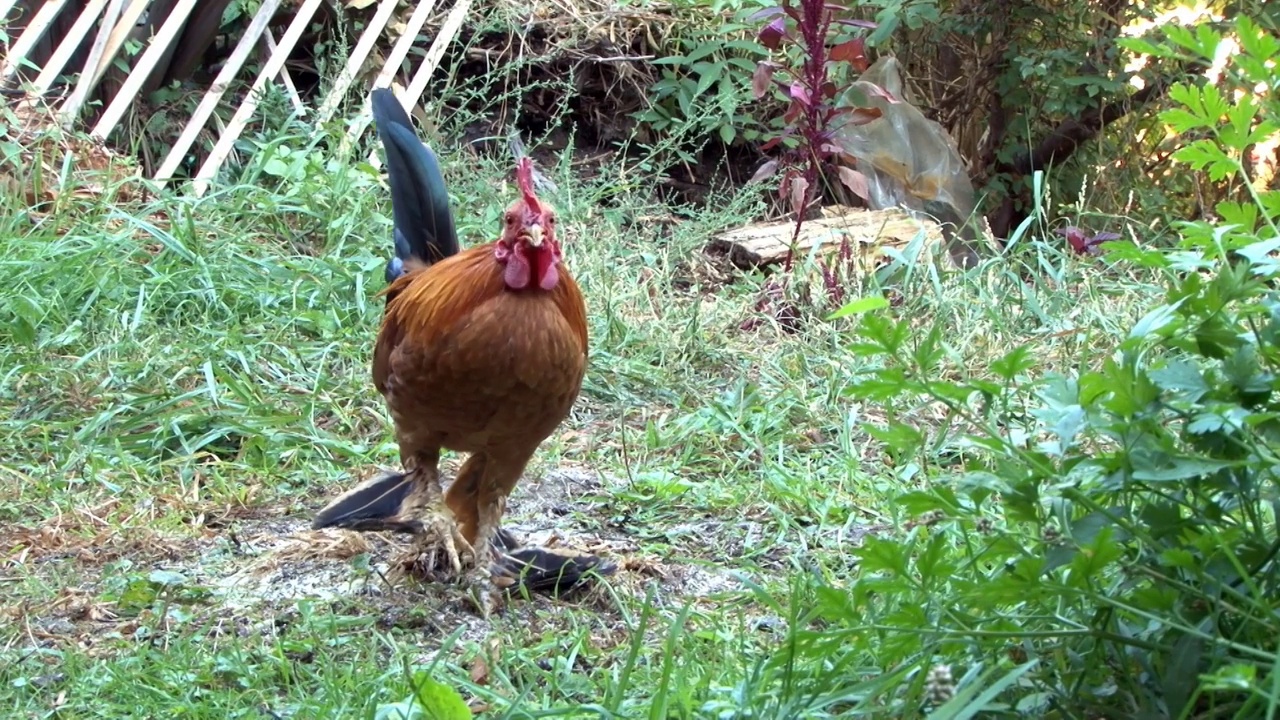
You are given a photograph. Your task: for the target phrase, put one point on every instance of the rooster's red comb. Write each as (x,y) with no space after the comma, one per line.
(524,179)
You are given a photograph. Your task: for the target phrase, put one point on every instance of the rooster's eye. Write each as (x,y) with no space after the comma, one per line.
(511,219)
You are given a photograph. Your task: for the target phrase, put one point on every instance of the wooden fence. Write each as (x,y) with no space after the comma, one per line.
(76,46)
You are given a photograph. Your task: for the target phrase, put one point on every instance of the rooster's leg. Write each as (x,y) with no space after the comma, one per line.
(470,487)
(425,503)
(481,579)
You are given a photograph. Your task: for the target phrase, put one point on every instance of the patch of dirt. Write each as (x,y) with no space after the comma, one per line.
(36,173)
(259,567)
(289,561)
(92,537)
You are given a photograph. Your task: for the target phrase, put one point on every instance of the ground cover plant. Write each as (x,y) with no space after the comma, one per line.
(1041,487)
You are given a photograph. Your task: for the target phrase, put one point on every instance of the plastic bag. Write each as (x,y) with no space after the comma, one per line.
(909,160)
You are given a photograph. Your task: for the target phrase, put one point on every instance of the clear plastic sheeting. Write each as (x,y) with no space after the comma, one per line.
(909,160)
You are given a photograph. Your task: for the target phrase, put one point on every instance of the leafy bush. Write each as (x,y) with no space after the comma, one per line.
(1109,543)
(704,91)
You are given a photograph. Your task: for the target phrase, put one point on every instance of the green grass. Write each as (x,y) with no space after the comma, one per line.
(181,379)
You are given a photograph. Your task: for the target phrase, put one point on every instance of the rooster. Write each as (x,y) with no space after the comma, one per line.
(480,351)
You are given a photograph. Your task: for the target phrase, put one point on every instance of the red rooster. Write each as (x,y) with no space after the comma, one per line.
(481,351)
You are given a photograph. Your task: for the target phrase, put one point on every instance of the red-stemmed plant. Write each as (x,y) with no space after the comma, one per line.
(813,31)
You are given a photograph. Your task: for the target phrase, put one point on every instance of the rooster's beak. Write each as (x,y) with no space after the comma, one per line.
(534,233)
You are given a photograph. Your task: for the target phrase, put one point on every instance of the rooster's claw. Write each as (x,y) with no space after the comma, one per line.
(438,532)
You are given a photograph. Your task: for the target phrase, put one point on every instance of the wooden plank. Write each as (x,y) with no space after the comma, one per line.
(761,244)
(269,42)
(241,118)
(128,21)
(398,53)
(116,26)
(209,102)
(132,84)
(31,35)
(66,48)
(356,61)
(70,110)
(448,31)
(404,43)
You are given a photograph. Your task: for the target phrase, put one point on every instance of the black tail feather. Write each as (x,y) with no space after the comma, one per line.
(505,541)
(424,230)
(371,505)
(544,570)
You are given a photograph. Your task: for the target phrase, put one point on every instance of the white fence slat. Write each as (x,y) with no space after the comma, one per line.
(241,118)
(209,102)
(397,55)
(68,46)
(358,55)
(116,26)
(269,42)
(448,31)
(31,35)
(5,7)
(133,83)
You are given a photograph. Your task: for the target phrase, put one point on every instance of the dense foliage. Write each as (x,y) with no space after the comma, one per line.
(1021,90)
(1099,537)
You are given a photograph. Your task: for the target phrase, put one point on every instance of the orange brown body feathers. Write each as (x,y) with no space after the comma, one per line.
(481,351)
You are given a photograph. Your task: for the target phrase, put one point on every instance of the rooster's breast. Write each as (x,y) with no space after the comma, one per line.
(503,374)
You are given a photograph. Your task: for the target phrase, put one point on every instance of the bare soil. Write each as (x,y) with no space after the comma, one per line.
(255,570)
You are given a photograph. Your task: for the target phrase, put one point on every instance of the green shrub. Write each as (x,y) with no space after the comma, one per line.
(1107,541)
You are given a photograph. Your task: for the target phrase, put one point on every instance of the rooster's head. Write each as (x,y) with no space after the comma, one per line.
(528,245)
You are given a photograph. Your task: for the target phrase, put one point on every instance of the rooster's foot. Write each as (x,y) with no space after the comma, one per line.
(481,591)
(440,550)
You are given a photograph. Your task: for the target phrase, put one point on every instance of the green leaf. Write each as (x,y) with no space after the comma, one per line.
(276,167)
(1182,673)
(1130,252)
(900,437)
(439,701)
(880,385)
(1259,256)
(684,96)
(167,578)
(1234,678)
(1213,104)
(859,306)
(1205,423)
(703,50)
(1236,213)
(1180,558)
(1205,155)
(920,502)
(1014,363)
(1253,41)
(1155,321)
(881,555)
(1182,121)
(1140,46)
(709,75)
(1167,468)
(1182,378)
